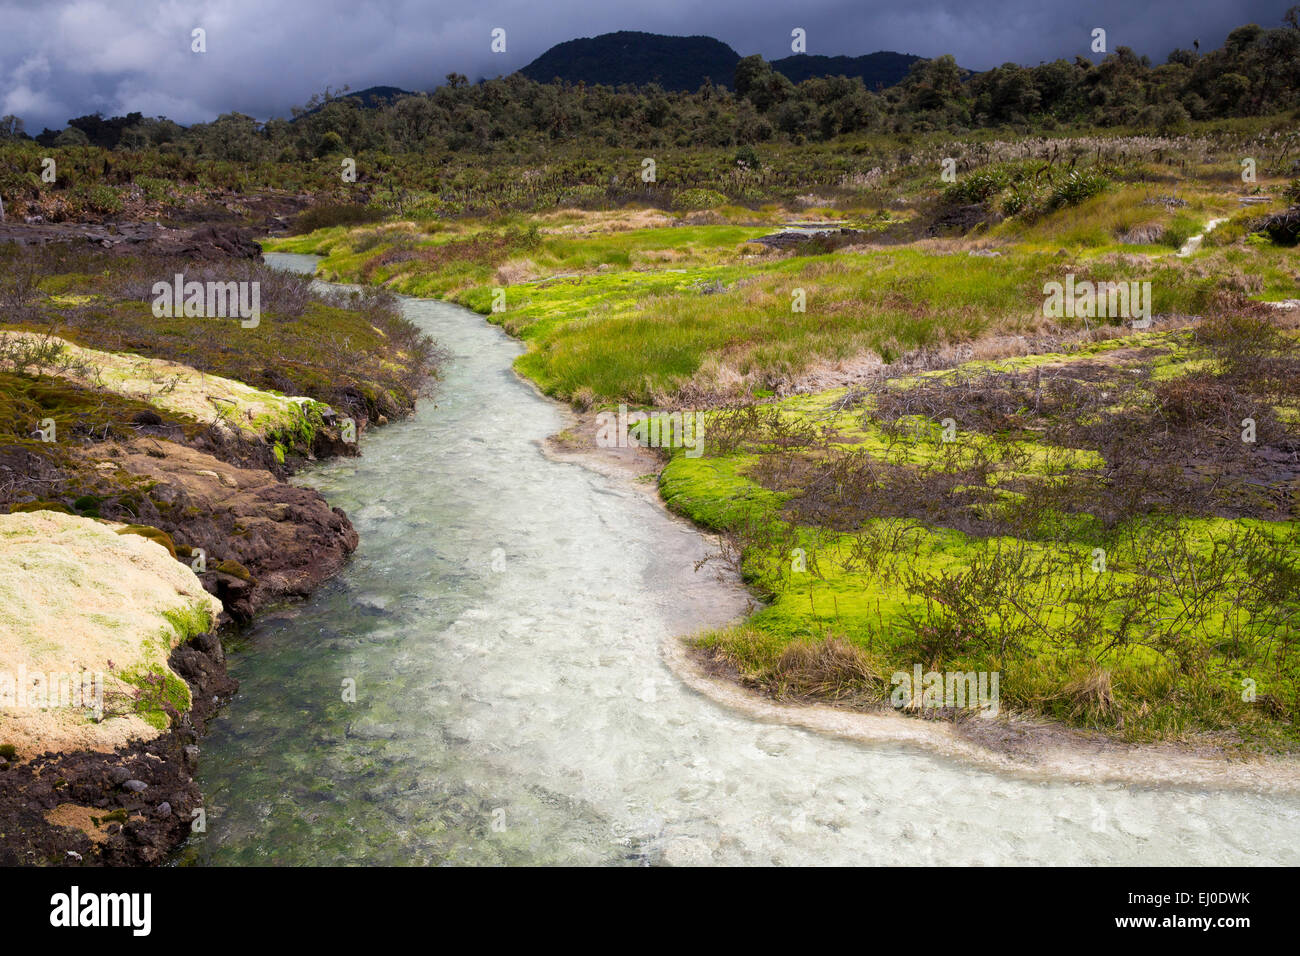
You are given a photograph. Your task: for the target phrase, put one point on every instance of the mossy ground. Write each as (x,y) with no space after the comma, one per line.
(1103,597)
(80,598)
(122,373)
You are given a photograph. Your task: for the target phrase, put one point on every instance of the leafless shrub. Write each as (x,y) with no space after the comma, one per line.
(35,354)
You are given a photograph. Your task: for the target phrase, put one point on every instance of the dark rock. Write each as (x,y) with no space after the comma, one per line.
(961,219)
(290,541)
(1283,228)
(135,786)
(207,242)
(821,239)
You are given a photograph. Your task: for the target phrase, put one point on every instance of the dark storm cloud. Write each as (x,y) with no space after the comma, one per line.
(63,59)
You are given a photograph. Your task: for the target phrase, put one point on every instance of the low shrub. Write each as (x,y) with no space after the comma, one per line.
(1077,186)
(689,200)
(335,214)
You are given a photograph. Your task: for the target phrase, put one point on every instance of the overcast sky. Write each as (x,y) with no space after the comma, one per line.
(65,58)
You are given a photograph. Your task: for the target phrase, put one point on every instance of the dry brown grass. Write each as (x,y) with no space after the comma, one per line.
(596,222)
(92,822)
(516,270)
(830,669)
(1091,696)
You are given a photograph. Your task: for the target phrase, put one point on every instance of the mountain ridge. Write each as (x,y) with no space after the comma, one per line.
(685,63)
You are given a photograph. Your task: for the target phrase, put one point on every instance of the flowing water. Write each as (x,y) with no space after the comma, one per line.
(502,621)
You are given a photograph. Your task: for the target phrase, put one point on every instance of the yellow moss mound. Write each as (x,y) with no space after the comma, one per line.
(77,599)
(175,388)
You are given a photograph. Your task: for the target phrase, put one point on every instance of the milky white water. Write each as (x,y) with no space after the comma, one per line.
(1194,242)
(503,619)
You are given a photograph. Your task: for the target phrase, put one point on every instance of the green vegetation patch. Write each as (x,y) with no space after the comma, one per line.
(1105,539)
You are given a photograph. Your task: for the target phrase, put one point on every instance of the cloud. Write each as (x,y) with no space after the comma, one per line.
(64,58)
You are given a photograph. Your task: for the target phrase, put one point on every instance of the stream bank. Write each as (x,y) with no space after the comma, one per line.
(132,445)
(503,622)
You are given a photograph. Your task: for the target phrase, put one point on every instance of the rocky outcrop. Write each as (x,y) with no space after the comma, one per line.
(203,243)
(121,792)
(88,619)
(960,219)
(822,239)
(263,540)
(125,794)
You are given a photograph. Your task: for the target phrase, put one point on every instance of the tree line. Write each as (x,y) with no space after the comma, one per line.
(1255,72)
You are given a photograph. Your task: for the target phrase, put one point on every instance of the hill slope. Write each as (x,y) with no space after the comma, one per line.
(676,63)
(884,68)
(683,63)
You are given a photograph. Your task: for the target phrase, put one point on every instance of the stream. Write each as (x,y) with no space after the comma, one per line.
(503,621)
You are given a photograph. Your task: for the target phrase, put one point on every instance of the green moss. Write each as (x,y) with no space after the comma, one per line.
(329,352)
(189,621)
(28,506)
(158,696)
(1031,605)
(155,535)
(234,569)
(159,693)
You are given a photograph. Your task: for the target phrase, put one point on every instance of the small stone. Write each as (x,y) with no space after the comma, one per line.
(119,774)
(135,786)
(191,752)
(164,809)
